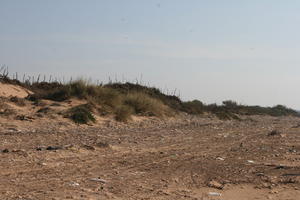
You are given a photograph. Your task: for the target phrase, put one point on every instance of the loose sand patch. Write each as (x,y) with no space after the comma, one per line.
(9,90)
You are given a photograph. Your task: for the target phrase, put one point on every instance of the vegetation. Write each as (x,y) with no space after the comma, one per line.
(145,105)
(195,107)
(107,99)
(124,113)
(81,114)
(126,99)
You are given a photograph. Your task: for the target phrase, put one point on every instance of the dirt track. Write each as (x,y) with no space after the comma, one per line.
(162,161)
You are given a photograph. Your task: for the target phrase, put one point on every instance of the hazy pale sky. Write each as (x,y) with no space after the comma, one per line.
(211,50)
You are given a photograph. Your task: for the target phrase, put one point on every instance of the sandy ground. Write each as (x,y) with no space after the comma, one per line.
(46,156)
(9,90)
(186,158)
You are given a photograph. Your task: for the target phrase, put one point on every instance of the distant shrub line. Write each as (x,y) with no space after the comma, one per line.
(126,99)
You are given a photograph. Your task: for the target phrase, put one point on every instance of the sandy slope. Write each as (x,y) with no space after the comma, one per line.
(8,90)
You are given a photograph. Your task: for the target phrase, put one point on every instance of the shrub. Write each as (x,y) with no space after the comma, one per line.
(123,113)
(59,94)
(193,107)
(230,104)
(81,114)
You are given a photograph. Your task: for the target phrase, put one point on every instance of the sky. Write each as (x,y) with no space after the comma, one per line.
(211,50)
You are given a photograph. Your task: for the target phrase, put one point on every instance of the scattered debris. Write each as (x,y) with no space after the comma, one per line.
(281,167)
(102,144)
(273,133)
(24,118)
(13,130)
(88,147)
(220,158)
(20,152)
(216,194)
(42,164)
(215,184)
(75,184)
(292,150)
(44,110)
(51,148)
(266,185)
(98,180)
(291,174)
(296,126)
(5,151)
(40,148)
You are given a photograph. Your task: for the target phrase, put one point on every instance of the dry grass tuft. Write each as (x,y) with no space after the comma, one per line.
(145,105)
(124,113)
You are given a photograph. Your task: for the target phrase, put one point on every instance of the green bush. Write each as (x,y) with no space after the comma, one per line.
(230,104)
(78,89)
(193,107)
(59,94)
(81,114)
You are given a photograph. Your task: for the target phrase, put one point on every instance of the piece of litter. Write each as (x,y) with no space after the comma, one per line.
(74,184)
(216,194)
(250,161)
(98,180)
(219,158)
(216,184)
